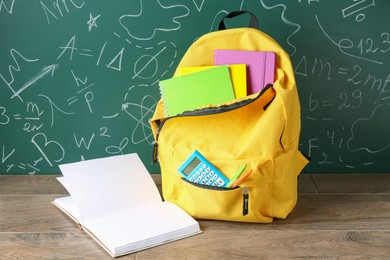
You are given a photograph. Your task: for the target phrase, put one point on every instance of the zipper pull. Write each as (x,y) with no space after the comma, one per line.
(155,152)
(245,200)
(155,144)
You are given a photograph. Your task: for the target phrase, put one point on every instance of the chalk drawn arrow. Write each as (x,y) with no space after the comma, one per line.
(49,69)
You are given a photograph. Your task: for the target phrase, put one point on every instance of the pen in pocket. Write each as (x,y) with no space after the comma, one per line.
(236,176)
(241,179)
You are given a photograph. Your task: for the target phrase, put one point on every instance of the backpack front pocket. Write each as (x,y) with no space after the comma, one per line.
(208,202)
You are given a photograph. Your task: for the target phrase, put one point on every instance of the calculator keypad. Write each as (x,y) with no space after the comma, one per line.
(204,175)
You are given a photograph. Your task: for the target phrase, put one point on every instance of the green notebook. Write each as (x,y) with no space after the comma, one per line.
(207,87)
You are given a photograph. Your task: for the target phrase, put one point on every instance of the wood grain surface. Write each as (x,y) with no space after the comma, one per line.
(338,216)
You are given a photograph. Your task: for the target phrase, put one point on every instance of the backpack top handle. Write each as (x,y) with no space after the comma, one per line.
(253,23)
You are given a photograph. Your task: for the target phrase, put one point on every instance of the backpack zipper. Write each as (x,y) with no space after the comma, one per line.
(204,112)
(245,201)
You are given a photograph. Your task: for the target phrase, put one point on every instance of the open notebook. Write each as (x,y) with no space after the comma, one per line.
(116,201)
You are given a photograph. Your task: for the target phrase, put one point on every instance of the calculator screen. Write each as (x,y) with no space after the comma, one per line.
(191,166)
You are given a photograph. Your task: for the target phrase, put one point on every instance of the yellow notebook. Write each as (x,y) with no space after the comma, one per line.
(237,73)
(189,92)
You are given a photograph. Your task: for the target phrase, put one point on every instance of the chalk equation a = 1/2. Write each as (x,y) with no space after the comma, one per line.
(357,8)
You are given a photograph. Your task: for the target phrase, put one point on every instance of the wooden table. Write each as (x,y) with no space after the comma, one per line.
(337,215)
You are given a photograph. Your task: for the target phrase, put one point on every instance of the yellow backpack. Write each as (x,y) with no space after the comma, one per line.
(261,130)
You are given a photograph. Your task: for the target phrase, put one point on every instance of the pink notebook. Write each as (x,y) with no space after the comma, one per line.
(260,66)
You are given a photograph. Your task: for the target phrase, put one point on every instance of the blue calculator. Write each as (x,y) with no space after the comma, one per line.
(198,169)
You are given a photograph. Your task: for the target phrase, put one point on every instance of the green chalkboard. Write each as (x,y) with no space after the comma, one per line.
(79,79)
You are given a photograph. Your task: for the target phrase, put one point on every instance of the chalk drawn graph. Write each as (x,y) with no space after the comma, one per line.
(14,68)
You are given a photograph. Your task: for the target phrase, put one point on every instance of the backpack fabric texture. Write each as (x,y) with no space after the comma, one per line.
(261,130)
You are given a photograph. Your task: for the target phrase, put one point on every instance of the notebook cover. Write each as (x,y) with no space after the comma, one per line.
(260,66)
(237,74)
(208,87)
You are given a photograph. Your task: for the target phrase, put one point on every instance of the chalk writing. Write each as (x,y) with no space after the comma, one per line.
(79,79)
(144,62)
(118,149)
(69,46)
(82,141)
(344,101)
(371,143)
(8,8)
(54,108)
(355,75)
(47,70)
(354,100)
(130,22)
(370,46)
(5,154)
(198,4)
(104,132)
(27,167)
(141,113)
(309,1)
(147,66)
(41,142)
(33,119)
(4,118)
(101,53)
(15,68)
(116,62)
(142,117)
(345,44)
(85,86)
(356,8)
(92,21)
(58,9)
(286,21)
